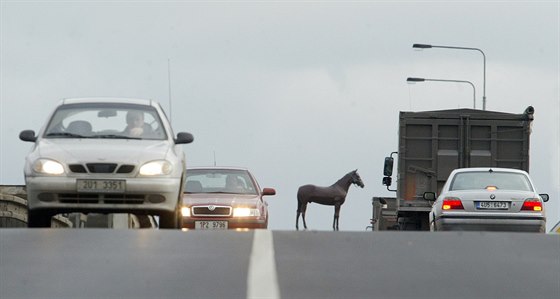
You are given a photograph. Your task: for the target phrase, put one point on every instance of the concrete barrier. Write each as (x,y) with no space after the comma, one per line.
(13,208)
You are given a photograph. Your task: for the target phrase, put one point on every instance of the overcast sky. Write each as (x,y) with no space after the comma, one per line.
(298,92)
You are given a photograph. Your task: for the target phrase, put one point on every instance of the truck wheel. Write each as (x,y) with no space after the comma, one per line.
(38,219)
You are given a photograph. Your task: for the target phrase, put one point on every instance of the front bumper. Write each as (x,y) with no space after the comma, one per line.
(233,223)
(141,195)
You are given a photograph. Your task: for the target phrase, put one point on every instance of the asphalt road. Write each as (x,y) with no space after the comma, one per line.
(98,263)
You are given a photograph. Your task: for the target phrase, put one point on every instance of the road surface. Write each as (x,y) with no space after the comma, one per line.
(104,263)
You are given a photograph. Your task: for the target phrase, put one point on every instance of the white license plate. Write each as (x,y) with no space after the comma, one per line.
(211,225)
(492,205)
(101,186)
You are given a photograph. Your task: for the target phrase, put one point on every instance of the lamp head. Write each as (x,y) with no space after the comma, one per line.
(421,46)
(412,79)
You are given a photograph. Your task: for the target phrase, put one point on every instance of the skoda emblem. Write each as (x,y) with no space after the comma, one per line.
(211,208)
(492,196)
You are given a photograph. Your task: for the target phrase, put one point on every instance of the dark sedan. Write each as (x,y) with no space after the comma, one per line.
(218,198)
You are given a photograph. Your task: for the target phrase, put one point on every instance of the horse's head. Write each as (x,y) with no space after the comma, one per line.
(356,179)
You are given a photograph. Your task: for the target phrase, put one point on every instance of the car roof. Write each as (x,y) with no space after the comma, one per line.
(217,168)
(477,169)
(108,100)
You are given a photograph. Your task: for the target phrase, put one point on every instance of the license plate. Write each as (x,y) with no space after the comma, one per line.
(492,205)
(101,186)
(211,225)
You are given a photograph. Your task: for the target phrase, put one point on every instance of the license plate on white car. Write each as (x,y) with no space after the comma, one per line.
(492,205)
(211,225)
(101,186)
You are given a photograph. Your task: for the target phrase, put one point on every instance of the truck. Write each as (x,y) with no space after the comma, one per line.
(432,144)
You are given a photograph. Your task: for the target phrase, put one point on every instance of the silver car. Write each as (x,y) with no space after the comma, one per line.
(488,199)
(105,155)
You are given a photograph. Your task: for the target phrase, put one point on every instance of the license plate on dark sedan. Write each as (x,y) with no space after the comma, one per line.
(101,186)
(492,205)
(211,225)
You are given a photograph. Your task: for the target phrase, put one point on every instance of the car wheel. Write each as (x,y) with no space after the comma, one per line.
(38,219)
(171,220)
(167,220)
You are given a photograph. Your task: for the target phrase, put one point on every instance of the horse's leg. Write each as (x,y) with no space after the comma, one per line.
(336,214)
(297,214)
(303,209)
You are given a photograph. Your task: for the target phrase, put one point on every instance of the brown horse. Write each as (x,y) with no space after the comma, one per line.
(334,195)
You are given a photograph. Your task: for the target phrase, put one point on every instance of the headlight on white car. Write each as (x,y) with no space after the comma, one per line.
(160,167)
(246,212)
(47,166)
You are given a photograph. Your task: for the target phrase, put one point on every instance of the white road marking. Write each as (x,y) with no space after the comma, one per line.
(262,281)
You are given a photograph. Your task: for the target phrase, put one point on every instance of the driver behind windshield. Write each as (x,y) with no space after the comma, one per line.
(136,127)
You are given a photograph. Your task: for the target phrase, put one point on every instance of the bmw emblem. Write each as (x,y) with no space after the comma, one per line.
(211,208)
(492,196)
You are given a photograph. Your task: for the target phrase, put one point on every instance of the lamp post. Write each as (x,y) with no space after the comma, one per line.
(413,80)
(425,46)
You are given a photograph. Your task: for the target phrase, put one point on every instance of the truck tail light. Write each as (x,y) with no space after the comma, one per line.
(532,204)
(452,203)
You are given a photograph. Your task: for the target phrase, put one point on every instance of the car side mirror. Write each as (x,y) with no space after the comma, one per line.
(388,166)
(269,191)
(184,138)
(387,181)
(429,196)
(28,135)
(544,197)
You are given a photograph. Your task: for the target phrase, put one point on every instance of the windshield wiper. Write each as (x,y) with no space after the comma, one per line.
(226,192)
(113,136)
(66,134)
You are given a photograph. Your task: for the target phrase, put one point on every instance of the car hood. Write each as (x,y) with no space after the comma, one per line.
(103,150)
(219,199)
(504,195)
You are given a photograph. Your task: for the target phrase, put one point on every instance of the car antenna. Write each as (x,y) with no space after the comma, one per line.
(214,158)
(490,170)
(169,84)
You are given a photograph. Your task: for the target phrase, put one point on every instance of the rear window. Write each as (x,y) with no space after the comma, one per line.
(483,179)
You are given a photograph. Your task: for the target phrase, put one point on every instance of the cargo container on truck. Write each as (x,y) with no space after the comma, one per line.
(432,144)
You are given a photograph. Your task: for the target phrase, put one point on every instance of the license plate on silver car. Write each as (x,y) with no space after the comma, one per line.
(492,205)
(101,186)
(211,225)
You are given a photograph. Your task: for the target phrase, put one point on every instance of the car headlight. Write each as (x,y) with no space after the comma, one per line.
(160,167)
(47,166)
(186,211)
(246,212)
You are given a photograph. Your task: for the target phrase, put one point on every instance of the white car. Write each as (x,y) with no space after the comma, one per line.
(488,199)
(105,155)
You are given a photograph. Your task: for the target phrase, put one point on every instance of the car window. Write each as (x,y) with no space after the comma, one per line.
(103,120)
(219,181)
(483,179)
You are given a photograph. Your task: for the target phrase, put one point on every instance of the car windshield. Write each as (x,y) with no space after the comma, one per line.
(484,179)
(105,120)
(219,181)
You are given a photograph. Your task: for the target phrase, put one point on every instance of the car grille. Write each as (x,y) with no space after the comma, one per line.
(210,210)
(101,198)
(101,168)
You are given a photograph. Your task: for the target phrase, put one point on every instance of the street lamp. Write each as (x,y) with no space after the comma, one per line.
(425,46)
(413,80)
